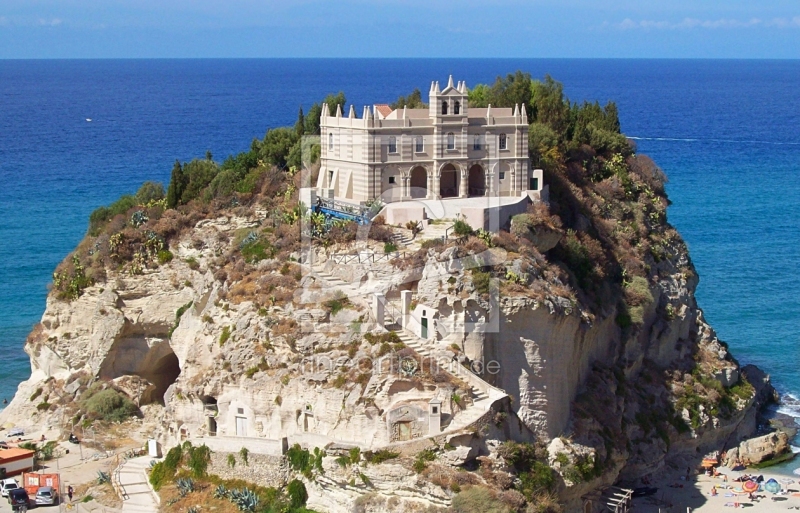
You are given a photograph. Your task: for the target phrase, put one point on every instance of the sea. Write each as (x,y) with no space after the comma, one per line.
(76,134)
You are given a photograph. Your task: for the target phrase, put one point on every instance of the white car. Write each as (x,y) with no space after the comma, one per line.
(16,431)
(6,485)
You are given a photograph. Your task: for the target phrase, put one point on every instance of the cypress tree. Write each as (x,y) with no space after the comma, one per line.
(175,190)
(300,126)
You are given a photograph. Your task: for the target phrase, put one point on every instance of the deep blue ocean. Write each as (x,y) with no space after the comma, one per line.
(727,133)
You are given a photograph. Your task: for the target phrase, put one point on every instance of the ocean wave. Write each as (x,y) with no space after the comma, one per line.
(735,141)
(790,405)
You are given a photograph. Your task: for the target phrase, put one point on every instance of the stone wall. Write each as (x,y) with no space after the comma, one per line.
(261,469)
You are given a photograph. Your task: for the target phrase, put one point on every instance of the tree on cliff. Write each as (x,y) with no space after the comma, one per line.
(300,125)
(176,186)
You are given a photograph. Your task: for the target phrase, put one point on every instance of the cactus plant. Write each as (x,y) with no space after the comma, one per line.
(220,492)
(103,477)
(185,485)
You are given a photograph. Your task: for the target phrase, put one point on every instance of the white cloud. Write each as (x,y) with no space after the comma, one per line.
(54,22)
(692,23)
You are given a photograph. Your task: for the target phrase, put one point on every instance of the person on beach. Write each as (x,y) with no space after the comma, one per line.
(69,492)
(714,491)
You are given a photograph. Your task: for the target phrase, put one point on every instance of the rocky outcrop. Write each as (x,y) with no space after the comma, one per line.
(758,450)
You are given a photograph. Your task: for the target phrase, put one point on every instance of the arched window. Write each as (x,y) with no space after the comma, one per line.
(503,142)
(451,141)
(444,107)
(457,108)
(476,143)
(419,145)
(392,144)
(330,141)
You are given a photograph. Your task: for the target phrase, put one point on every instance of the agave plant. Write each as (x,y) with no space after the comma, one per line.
(245,499)
(103,477)
(193,509)
(220,492)
(172,501)
(185,485)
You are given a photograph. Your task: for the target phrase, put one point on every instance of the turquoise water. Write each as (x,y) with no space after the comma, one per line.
(727,133)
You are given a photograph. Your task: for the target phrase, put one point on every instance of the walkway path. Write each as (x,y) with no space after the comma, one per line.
(137,496)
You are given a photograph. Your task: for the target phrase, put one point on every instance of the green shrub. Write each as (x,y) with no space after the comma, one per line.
(198,459)
(36,394)
(481,281)
(244,453)
(389,247)
(164,256)
(192,263)
(102,215)
(178,314)
(297,493)
(462,229)
(109,405)
(43,406)
(231,460)
(160,475)
(380,456)
(225,335)
(71,283)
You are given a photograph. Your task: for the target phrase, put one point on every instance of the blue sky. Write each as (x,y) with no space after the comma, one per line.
(400,28)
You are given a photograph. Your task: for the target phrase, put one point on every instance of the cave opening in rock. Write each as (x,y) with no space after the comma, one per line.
(163,373)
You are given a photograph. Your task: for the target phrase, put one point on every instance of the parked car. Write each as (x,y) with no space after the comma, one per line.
(6,485)
(3,445)
(16,431)
(46,496)
(19,500)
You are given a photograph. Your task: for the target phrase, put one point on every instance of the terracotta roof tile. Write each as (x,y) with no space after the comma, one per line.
(384,109)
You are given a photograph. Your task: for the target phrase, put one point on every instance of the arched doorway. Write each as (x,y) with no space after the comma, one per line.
(448,182)
(418,183)
(477,181)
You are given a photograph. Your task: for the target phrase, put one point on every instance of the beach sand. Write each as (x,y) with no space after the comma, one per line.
(676,494)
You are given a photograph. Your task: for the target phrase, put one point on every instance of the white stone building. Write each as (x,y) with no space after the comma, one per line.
(449,150)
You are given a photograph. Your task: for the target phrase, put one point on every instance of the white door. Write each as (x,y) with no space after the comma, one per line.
(241,426)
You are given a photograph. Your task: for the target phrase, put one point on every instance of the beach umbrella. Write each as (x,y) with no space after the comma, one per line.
(787,481)
(708,463)
(750,486)
(772,486)
(797,471)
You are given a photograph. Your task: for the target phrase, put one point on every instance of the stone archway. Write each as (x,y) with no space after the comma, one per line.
(418,183)
(449,181)
(477,181)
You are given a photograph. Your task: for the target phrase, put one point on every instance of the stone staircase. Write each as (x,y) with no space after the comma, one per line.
(401,239)
(435,231)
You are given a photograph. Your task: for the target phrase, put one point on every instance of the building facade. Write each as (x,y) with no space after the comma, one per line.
(448,150)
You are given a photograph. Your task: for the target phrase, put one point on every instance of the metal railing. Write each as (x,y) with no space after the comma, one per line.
(365,258)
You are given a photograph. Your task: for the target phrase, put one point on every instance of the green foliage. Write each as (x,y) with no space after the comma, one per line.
(103,477)
(102,215)
(575,254)
(149,193)
(333,100)
(305,462)
(36,394)
(298,496)
(225,335)
(380,456)
(422,459)
(336,304)
(461,228)
(477,499)
(277,145)
(479,96)
(109,404)
(244,453)
(231,460)
(198,459)
(178,314)
(312,120)
(192,263)
(220,492)
(176,185)
(389,247)
(197,175)
(412,101)
(71,282)
(185,485)
(481,281)
(164,256)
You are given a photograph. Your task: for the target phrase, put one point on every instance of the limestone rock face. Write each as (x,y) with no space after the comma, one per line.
(763,448)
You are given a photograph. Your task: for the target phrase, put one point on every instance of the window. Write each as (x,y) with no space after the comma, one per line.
(240,411)
(457,108)
(444,107)
(476,143)
(391,179)
(392,144)
(330,178)
(451,141)
(534,184)
(330,141)
(502,175)
(418,144)
(503,142)
(435,410)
